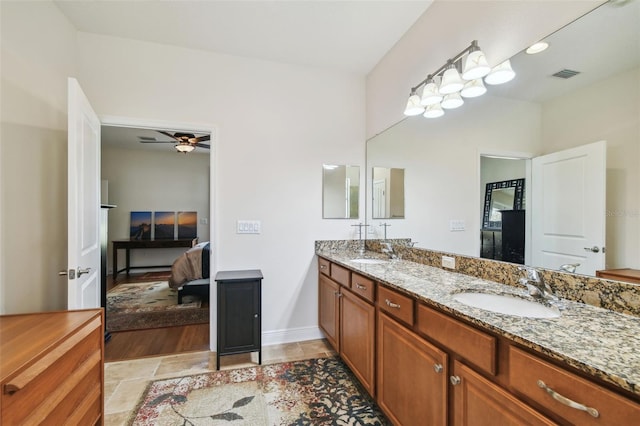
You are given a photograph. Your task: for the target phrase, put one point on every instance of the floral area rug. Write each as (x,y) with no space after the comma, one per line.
(312,392)
(135,306)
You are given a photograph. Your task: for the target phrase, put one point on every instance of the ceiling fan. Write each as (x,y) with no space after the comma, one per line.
(184,142)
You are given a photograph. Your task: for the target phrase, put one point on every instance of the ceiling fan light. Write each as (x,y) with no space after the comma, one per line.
(473,89)
(430,94)
(500,74)
(451,101)
(413,105)
(451,81)
(476,65)
(185,147)
(433,111)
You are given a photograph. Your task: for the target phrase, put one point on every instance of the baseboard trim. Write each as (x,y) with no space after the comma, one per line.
(291,335)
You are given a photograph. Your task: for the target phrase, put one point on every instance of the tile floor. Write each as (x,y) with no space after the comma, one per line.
(125,381)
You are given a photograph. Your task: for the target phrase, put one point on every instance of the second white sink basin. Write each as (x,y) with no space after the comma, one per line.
(509,305)
(369,261)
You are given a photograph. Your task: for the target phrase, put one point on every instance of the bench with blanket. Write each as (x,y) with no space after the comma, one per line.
(190,272)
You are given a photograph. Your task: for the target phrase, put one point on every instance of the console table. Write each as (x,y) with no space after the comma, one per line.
(129,245)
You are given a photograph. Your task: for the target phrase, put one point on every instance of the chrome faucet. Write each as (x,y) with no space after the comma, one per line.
(361,241)
(569,267)
(535,283)
(388,249)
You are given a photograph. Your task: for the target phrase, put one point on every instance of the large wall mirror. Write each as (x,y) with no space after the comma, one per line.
(340,191)
(594,96)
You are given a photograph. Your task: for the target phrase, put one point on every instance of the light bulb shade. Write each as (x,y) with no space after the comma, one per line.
(185,147)
(537,47)
(430,94)
(413,106)
(475,66)
(451,101)
(433,111)
(500,74)
(451,81)
(473,89)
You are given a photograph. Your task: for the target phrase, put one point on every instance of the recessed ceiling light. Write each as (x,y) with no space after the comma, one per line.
(537,47)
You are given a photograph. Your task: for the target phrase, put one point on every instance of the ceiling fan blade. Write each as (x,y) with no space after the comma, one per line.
(201,145)
(201,138)
(168,134)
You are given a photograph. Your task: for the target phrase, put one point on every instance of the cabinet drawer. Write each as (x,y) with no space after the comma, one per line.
(471,344)
(324,266)
(340,274)
(528,374)
(363,287)
(38,393)
(396,304)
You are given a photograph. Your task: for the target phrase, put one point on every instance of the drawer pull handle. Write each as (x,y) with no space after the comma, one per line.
(323,266)
(391,304)
(455,380)
(566,401)
(437,368)
(360,287)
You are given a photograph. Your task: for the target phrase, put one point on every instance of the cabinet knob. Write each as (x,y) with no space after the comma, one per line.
(256,315)
(455,380)
(438,368)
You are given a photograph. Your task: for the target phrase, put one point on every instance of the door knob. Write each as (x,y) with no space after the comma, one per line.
(594,249)
(83,271)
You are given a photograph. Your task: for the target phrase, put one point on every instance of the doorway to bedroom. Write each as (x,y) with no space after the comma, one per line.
(155,193)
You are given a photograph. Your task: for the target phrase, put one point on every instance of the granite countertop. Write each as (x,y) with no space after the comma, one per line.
(598,341)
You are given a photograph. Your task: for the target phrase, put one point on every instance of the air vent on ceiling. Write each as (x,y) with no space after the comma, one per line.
(566,73)
(146,138)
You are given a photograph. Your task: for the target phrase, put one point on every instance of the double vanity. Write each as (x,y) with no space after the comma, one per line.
(434,346)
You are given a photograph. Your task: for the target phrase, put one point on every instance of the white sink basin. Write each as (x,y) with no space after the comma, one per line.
(369,261)
(509,305)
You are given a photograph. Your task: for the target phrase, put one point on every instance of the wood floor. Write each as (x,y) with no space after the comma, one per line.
(125,345)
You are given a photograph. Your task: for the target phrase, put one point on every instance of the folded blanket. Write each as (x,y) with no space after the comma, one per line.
(192,265)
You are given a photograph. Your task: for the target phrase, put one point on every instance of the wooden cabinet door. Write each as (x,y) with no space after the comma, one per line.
(357,338)
(328,310)
(479,402)
(412,376)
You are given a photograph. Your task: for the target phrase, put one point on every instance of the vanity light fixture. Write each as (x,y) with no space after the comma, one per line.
(456,82)
(413,105)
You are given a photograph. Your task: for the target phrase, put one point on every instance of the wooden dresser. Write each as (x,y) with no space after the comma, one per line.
(52,368)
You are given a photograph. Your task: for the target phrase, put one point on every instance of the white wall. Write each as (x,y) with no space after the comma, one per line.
(277,125)
(608,110)
(442,176)
(154,181)
(38,54)
(502,29)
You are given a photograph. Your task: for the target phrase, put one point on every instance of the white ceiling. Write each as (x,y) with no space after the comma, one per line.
(344,35)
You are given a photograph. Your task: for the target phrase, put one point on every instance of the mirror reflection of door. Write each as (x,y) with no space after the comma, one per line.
(388,193)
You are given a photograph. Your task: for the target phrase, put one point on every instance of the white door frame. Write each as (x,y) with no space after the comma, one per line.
(141,123)
(515,155)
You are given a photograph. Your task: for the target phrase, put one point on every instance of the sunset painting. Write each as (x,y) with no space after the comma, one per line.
(140,228)
(187,225)
(164,225)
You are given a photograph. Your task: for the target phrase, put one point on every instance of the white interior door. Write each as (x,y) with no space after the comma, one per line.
(568,208)
(83,269)
(379,199)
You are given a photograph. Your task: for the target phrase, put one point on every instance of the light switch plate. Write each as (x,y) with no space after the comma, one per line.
(456,225)
(248,227)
